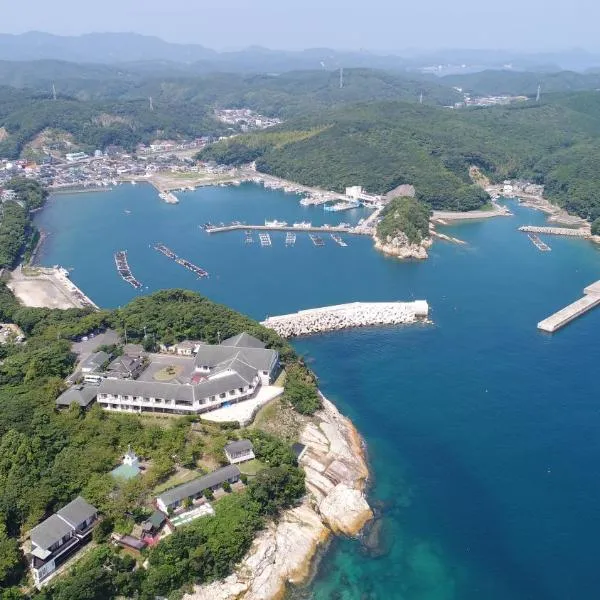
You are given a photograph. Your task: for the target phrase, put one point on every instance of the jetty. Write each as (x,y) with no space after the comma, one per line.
(568,231)
(590,299)
(124,270)
(345,316)
(362,229)
(537,242)
(190,266)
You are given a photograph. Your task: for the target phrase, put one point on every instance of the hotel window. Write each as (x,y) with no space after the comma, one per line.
(222,395)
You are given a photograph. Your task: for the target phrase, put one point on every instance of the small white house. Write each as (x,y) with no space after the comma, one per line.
(239,451)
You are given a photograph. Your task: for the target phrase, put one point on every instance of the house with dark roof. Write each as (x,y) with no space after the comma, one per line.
(223,374)
(59,537)
(125,367)
(82,395)
(192,490)
(239,451)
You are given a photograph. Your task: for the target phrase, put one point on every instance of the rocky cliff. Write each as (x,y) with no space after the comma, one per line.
(400,247)
(336,474)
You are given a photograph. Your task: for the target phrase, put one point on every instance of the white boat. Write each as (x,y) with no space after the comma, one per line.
(275,223)
(302,225)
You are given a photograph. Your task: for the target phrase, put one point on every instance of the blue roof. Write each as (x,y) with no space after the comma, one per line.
(125,472)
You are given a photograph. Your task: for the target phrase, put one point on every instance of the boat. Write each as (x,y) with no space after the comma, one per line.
(537,242)
(169,197)
(317,240)
(265,239)
(275,223)
(302,225)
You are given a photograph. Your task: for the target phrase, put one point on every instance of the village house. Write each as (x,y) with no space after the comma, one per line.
(59,537)
(239,451)
(171,499)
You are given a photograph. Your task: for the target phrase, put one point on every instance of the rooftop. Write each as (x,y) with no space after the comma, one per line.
(80,394)
(95,361)
(238,446)
(197,486)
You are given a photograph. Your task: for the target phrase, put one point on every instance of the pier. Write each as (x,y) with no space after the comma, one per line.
(124,269)
(568,231)
(345,316)
(298,227)
(590,299)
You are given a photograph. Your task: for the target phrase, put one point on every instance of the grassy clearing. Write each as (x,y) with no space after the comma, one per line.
(251,468)
(182,476)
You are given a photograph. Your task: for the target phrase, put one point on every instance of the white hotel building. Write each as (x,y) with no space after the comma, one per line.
(228,373)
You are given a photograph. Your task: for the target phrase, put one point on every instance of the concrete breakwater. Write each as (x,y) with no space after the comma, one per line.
(590,299)
(344,316)
(582,232)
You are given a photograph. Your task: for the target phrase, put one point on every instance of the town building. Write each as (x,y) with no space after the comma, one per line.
(223,374)
(171,499)
(59,537)
(93,366)
(239,451)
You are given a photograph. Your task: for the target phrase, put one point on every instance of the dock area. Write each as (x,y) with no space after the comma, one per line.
(568,231)
(345,316)
(590,299)
(43,287)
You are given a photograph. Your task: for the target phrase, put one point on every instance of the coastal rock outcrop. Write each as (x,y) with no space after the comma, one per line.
(336,474)
(399,246)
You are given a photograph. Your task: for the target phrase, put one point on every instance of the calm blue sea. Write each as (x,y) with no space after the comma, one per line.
(483,434)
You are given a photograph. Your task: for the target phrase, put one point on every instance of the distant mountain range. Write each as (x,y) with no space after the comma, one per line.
(118,48)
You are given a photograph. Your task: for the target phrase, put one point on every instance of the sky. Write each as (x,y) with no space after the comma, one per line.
(377,25)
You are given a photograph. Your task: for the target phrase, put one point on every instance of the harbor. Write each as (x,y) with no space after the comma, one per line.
(124,269)
(190,266)
(590,299)
(345,316)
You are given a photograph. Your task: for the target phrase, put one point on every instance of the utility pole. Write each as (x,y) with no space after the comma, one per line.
(53,92)
(151,104)
(341,77)
(539,93)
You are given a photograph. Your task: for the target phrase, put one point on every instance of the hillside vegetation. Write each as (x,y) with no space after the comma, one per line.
(382,145)
(100,106)
(48,457)
(407,216)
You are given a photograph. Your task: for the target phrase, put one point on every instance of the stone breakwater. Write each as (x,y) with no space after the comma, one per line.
(336,475)
(344,316)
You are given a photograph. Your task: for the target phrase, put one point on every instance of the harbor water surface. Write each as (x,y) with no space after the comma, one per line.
(482,433)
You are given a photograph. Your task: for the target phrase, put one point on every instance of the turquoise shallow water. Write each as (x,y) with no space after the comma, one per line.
(482,433)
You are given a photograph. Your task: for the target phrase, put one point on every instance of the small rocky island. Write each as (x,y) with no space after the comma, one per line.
(403,231)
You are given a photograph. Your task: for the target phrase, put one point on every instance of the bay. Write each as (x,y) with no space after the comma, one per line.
(482,432)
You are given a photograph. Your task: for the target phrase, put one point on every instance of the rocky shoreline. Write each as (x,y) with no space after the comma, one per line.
(400,247)
(336,476)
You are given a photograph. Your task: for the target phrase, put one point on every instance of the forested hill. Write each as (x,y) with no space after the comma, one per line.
(522,83)
(101,106)
(382,145)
